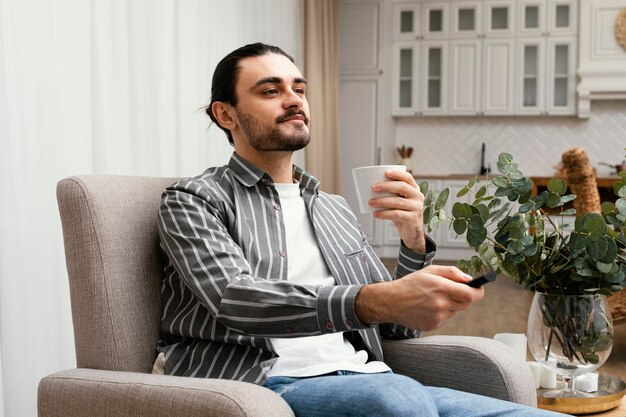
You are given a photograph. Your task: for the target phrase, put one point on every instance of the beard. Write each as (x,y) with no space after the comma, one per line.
(271,138)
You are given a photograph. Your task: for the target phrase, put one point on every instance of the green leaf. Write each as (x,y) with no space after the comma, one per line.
(604,268)
(553,200)
(515,247)
(594,224)
(434,223)
(611,251)
(476,237)
(459,225)
(569,212)
(442,199)
(530,250)
(481,192)
(620,205)
(526,207)
(608,208)
(483,210)
(458,211)
(472,181)
(500,182)
(557,186)
(463,191)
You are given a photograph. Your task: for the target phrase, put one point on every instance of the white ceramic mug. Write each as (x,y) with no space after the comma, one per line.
(365,177)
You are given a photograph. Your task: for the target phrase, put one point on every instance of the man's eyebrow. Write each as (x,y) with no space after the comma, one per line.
(278,80)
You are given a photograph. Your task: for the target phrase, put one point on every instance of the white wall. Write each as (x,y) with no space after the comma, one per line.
(451,145)
(109,87)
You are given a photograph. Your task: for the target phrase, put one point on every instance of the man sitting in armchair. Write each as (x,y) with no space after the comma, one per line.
(271,281)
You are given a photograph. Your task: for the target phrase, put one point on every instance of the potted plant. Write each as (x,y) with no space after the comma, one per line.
(569,267)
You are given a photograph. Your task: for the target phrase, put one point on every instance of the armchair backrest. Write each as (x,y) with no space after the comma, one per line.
(115,268)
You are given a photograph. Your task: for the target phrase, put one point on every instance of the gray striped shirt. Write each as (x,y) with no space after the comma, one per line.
(225,291)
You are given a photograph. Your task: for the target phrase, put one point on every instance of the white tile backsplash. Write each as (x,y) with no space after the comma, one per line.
(451,145)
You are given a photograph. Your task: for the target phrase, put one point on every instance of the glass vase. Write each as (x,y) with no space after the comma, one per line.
(570,335)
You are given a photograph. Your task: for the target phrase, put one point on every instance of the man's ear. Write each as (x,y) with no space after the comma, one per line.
(224,113)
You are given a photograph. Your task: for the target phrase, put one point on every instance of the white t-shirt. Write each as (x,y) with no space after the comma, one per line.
(312,355)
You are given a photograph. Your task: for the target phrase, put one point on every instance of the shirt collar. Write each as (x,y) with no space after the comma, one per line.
(249,175)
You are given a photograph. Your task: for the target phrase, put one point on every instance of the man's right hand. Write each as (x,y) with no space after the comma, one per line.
(422,300)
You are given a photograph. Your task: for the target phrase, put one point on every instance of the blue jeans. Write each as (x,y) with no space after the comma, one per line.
(343,394)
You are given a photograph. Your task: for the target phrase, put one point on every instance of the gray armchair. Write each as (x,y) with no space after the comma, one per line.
(115,269)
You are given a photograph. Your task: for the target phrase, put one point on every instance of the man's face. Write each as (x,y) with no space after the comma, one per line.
(272,109)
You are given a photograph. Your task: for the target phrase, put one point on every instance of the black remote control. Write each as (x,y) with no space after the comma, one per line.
(480,281)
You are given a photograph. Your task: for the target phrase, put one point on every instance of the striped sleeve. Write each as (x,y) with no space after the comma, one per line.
(195,236)
(409,261)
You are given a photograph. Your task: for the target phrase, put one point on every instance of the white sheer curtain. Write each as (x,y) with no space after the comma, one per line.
(100,86)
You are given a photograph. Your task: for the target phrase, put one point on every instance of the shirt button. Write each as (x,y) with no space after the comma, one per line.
(281,253)
(329,325)
(276,207)
(350,323)
(266,181)
(288,330)
(364,258)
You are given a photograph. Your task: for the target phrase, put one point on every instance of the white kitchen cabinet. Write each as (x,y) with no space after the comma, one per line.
(467,19)
(546,82)
(359,37)
(547,50)
(482,77)
(435,77)
(465,77)
(407,22)
(484,57)
(498,71)
(435,20)
(360,101)
(406,59)
(482,61)
(499,18)
(547,18)
(419,66)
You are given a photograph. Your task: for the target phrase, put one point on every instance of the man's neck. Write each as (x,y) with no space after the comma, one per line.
(278,165)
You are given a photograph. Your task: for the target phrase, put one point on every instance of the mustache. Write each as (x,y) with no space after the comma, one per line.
(292,113)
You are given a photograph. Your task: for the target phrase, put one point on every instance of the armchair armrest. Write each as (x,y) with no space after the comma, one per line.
(96,393)
(472,364)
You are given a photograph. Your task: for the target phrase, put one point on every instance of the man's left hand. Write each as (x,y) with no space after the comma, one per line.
(406,210)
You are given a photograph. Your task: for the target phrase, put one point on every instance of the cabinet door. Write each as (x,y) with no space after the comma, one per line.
(406,21)
(561,76)
(465,77)
(530,99)
(466,19)
(405,78)
(435,20)
(434,77)
(358,100)
(532,16)
(562,18)
(499,18)
(359,46)
(498,71)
